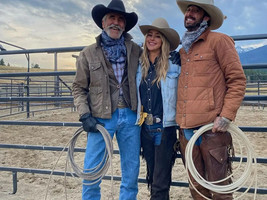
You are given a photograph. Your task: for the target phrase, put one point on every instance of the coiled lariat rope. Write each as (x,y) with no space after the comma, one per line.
(249,174)
(95,174)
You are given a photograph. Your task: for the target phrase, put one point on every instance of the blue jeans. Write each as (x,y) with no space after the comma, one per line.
(155,135)
(128,137)
(188,133)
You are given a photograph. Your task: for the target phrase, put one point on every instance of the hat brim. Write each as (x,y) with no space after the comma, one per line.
(99,11)
(215,13)
(171,35)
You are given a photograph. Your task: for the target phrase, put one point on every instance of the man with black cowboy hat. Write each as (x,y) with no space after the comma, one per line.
(211,88)
(104,91)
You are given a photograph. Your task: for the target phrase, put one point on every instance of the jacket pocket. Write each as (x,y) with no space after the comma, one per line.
(95,90)
(204,64)
(172,79)
(96,74)
(95,99)
(170,91)
(94,66)
(211,98)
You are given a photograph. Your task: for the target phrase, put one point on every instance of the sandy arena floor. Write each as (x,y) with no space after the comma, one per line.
(34,186)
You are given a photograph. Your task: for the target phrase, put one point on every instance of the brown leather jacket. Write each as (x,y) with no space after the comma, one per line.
(212,81)
(91,86)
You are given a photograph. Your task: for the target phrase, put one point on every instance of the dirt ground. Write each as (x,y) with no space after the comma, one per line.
(35,186)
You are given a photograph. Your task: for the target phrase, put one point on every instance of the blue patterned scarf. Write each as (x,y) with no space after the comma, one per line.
(190,37)
(114,49)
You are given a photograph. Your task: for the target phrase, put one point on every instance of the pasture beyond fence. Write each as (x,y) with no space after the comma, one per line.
(21,93)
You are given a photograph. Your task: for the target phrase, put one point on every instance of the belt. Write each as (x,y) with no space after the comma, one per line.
(150,119)
(121,102)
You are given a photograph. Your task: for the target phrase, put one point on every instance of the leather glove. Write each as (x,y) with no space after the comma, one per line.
(89,122)
(221,124)
(175,58)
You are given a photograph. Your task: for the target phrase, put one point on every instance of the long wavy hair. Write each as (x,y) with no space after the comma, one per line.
(162,64)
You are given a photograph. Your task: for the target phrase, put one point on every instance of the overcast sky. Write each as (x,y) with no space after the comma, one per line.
(35,24)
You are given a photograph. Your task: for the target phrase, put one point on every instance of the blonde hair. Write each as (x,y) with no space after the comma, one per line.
(162,64)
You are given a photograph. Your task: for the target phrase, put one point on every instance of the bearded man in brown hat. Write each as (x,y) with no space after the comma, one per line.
(104,91)
(210,90)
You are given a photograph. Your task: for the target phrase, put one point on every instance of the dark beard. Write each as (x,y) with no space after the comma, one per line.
(192,27)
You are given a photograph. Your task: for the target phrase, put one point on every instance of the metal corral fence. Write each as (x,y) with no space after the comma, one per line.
(60,94)
(37,87)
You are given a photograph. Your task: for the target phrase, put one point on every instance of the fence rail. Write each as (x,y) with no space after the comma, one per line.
(56,95)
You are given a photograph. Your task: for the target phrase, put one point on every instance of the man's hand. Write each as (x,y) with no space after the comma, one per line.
(89,122)
(175,58)
(221,124)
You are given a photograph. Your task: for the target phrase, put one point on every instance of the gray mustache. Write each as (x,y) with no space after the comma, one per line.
(115,26)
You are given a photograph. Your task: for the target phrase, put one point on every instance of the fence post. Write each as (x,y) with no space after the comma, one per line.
(56,79)
(11,94)
(15,182)
(258,92)
(28,86)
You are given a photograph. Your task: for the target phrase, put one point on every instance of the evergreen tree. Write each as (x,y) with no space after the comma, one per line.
(2,62)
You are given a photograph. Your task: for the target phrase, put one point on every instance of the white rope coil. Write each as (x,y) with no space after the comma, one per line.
(95,174)
(249,174)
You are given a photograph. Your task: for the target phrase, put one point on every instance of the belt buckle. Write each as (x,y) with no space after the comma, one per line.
(149,119)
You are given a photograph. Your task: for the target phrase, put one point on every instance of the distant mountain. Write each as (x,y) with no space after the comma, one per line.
(243,50)
(258,55)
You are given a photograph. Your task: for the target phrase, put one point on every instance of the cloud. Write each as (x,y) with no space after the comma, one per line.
(48,23)
(247,14)
(245,17)
(7,27)
(239,28)
(130,5)
(45,24)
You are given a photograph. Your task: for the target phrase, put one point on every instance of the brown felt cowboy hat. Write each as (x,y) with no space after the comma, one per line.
(216,15)
(163,27)
(115,6)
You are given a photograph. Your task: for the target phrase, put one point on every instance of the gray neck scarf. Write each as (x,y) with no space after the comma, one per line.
(190,37)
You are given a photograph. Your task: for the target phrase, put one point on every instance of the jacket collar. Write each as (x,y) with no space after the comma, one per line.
(204,35)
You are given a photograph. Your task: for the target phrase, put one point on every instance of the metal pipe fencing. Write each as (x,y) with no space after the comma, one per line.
(56,94)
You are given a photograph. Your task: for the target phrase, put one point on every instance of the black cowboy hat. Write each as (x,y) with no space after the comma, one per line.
(116,6)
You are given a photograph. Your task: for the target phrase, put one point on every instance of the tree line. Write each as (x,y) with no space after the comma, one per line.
(256,74)
(251,74)
(33,65)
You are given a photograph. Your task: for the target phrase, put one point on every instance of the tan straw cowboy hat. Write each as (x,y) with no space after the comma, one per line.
(216,15)
(115,6)
(163,27)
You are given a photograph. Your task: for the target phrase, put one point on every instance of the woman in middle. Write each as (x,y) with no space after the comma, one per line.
(157,80)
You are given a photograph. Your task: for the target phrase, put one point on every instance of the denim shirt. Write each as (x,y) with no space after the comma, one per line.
(168,91)
(150,93)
